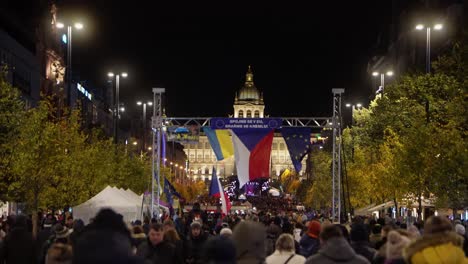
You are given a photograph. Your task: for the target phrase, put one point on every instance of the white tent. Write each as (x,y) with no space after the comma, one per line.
(112,198)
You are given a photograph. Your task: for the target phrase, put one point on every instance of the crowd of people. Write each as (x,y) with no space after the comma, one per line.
(280,237)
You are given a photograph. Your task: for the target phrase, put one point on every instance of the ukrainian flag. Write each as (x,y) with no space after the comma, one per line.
(220,142)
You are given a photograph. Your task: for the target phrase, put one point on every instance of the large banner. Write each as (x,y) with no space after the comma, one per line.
(183,134)
(249,123)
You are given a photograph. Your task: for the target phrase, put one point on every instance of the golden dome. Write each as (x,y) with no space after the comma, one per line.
(249,92)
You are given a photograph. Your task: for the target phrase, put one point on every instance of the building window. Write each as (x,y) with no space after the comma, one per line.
(207,158)
(281,146)
(256,114)
(241,114)
(192,157)
(207,145)
(274,158)
(249,114)
(274,146)
(199,157)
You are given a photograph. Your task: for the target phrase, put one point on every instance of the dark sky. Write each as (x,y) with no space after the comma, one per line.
(199,51)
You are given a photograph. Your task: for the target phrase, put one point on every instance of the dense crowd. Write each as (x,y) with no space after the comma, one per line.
(284,237)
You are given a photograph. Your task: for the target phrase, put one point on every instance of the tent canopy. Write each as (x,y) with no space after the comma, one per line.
(119,200)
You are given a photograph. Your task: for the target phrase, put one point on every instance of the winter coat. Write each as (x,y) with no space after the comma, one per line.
(374,240)
(162,253)
(249,238)
(138,239)
(364,249)
(194,248)
(443,247)
(337,250)
(308,246)
(18,247)
(280,257)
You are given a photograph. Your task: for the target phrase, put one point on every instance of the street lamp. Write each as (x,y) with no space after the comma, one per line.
(78,26)
(353,107)
(437,27)
(116,102)
(382,79)
(144,119)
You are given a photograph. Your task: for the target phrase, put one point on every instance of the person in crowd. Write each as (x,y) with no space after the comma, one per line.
(298,229)
(43,237)
(226,232)
(285,251)
(138,235)
(413,232)
(309,243)
(172,237)
(438,244)
(397,240)
(249,238)
(146,224)
(69,222)
(78,229)
(375,236)
(194,243)
(155,249)
(360,242)
(460,230)
(219,249)
(18,246)
(335,249)
(59,254)
(106,240)
(383,234)
(273,232)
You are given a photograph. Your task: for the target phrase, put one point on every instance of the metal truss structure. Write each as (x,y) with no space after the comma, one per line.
(159,121)
(314,122)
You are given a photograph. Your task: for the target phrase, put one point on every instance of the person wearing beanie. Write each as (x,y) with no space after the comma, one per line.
(439,244)
(309,243)
(249,238)
(219,250)
(360,242)
(226,231)
(396,242)
(194,243)
(285,252)
(335,249)
(375,236)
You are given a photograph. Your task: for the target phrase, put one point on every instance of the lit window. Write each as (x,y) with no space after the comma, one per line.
(257,114)
(241,114)
(249,114)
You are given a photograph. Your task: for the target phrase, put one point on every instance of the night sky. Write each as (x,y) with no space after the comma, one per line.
(199,51)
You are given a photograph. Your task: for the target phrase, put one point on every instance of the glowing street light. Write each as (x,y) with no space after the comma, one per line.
(382,79)
(68,41)
(144,119)
(437,27)
(116,109)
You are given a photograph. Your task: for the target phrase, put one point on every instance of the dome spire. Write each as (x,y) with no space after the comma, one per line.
(249,75)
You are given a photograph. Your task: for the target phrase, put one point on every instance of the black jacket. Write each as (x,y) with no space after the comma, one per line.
(161,254)
(18,247)
(364,249)
(194,248)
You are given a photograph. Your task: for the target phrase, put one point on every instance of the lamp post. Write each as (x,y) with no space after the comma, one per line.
(437,27)
(78,26)
(117,107)
(353,108)
(144,120)
(382,79)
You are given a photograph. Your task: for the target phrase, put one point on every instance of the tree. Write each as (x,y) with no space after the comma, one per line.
(11,116)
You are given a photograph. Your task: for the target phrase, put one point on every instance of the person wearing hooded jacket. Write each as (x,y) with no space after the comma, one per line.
(309,243)
(249,238)
(439,244)
(335,249)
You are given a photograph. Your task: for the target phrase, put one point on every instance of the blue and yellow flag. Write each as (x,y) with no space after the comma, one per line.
(220,142)
(298,141)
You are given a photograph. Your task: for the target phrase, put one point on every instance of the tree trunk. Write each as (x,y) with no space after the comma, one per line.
(454,213)
(34,216)
(397,214)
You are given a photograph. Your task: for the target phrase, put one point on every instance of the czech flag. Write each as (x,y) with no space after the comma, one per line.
(252,149)
(216,190)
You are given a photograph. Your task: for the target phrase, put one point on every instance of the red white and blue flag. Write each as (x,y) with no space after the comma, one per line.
(216,190)
(252,149)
